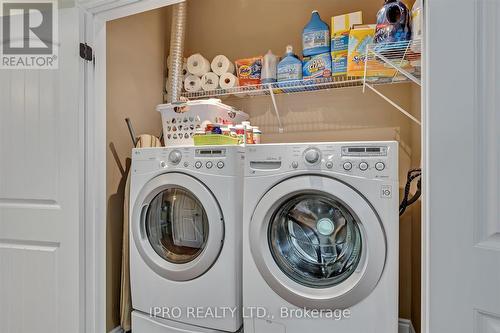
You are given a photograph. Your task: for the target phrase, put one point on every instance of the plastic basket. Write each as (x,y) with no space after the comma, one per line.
(214,140)
(180,120)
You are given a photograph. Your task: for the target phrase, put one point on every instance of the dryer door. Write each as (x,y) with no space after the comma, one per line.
(318,243)
(177,226)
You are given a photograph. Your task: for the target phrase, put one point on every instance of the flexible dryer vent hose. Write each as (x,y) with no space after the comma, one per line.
(178,31)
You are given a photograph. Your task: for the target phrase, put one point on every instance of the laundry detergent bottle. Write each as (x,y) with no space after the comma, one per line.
(290,67)
(315,36)
(393,23)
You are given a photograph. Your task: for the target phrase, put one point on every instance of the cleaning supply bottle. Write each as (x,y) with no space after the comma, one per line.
(315,36)
(269,65)
(290,67)
(393,23)
(416,26)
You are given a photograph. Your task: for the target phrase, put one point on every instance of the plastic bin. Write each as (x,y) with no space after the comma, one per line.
(180,120)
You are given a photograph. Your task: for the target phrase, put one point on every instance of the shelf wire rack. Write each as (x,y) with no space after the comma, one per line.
(277,88)
(387,63)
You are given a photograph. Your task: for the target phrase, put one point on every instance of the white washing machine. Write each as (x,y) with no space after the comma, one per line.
(185,239)
(320,238)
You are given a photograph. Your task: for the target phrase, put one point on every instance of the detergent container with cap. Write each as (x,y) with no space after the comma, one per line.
(315,36)
(290,67)
(393,23)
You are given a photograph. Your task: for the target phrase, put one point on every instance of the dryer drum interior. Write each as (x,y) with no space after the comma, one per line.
(177,225)
(315,240)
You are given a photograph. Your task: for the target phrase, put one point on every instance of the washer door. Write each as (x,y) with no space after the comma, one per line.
(318,243)
(177,226)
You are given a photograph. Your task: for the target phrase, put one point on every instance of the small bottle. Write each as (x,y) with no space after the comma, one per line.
(248,131)
(240,133)
(269,66)
(256,135)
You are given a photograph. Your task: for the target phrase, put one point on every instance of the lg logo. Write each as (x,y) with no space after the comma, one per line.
(29,34)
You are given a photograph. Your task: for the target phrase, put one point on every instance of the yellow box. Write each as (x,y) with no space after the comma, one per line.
(359,39)
(341,25)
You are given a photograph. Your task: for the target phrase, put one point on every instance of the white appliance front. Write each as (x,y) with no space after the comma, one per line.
(320,243)
(185,237)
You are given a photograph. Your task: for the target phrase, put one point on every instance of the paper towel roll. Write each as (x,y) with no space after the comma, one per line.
(221,64)
(197,65)
(210,81)
(192,83)
(228,81)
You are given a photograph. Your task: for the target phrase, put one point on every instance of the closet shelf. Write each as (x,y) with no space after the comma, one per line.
(280,88)
(391,63)
(394,61)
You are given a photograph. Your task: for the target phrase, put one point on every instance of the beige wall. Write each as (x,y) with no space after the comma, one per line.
(244,28)
(135,65)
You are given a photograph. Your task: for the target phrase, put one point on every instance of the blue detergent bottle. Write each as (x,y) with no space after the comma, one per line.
(289,72)
(315,36)
(290,67)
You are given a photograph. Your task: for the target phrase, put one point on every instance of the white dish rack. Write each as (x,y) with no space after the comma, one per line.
(180,120)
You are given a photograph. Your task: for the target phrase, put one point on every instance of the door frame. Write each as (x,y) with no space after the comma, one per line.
(97,14)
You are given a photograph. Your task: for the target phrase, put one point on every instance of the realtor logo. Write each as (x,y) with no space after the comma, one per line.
(29,34)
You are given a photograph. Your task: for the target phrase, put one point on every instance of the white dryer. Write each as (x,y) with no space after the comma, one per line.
(320,238)
(185,239)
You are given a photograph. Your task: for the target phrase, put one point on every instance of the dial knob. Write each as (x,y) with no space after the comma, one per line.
(209,165)
(175,157)
(312,155)
(329,164)
(363,166)
(220,164)
(347,166)
(380,166)
(198,164)
(295,165)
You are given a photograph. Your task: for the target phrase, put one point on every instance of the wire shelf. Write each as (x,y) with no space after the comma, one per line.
(281,87)
(393,62)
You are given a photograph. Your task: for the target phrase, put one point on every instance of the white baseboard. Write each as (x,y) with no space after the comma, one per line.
(405,326)
(117,329)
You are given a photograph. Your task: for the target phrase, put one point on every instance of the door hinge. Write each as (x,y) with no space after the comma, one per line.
(86,52)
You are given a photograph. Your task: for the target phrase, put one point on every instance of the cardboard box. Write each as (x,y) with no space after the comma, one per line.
(317,66)
(341,26)
(359,39)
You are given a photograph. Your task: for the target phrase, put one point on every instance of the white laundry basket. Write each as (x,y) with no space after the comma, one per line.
(180,120)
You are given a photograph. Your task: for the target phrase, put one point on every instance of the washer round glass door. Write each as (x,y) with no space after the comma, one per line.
(177,226)
(317,243)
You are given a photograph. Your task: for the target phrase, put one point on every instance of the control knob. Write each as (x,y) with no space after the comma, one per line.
(312,155)
(175,157)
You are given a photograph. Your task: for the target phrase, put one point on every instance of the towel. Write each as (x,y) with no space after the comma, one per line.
(144,141)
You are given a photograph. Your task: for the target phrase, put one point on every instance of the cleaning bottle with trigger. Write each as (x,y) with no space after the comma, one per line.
(315,36)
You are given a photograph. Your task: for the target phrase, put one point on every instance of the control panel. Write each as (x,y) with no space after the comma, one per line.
(369,159)
(223,160)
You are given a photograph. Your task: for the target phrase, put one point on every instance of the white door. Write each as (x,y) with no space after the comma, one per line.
(463,166)
(41,193)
